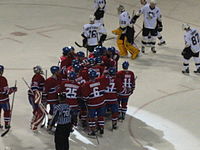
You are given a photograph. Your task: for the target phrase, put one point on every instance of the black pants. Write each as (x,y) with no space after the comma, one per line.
(62,136)
(188,53)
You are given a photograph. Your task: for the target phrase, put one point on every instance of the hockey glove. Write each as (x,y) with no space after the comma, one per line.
(159,26)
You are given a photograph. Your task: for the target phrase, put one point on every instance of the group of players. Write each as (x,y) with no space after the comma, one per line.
(90,85)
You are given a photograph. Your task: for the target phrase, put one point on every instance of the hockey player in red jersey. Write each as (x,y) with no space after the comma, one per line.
(93,91)
(51,87)
(71,89)
(35,97)
(5,91)
(128,84)
(111,95)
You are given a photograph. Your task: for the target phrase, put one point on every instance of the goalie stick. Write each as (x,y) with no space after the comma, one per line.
(4,133)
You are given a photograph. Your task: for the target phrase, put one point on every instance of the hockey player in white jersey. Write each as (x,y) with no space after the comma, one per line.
(159,28)
(125,34)
(152,19)
(100,8)
(192,48)
(94,34)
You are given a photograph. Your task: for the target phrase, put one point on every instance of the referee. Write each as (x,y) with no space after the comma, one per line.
(62,117)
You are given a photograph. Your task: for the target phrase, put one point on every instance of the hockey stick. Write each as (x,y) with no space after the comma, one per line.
(13,98)
(44,120)
(45,111)
(138,34)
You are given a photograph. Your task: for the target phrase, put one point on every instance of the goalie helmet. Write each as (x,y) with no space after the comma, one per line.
(120,9)
(38,69)
(125,65)
(185,26)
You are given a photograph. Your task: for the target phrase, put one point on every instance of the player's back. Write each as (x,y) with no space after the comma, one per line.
(192,37)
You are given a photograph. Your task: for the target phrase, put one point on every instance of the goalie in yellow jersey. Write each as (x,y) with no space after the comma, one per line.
(125,32)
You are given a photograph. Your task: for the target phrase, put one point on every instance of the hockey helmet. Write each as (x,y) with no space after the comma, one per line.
(54,69)
(185,26)
(66,50)
(1,68)
(76,67)
(101,3)
(98,60)
(125,65)
(111,49)
(91,61)
(80,54)
(72,75)
(112,71)
(91,18)
(75,62)
(92,73)
(38,69)
(120,9)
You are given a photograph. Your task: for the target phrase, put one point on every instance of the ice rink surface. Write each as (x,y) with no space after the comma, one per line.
(164,109)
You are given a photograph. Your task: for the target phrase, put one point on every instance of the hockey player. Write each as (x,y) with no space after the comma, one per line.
(35,97)
(125,32)
(5,91)
(192,48)
(71,90)
(93,92)
(111,95)
(152,20)
(94,34)
(128,83)
(51,87)
(158,27)
(100,7)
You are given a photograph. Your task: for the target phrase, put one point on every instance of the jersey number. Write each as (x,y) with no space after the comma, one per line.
(96,91)
(71,93)
(127,82)
(195,39)
(92,34)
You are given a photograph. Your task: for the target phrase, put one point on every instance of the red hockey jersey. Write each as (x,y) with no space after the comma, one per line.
(128,82)
(112,91)
(71,89)
(93,91)
(51,87)
(4,90)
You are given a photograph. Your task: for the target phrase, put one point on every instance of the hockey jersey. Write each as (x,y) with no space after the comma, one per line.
(128,82)
(71,90)
(51,90)
(4,90)
(192,39)
(150,16)
(93,91)
(114,88)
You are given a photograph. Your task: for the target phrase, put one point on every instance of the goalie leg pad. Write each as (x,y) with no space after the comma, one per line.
(122,49)
(132,50)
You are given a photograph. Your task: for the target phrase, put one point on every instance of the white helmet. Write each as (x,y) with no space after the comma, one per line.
(185,26)
(153,2)
(91,18)
(101,3)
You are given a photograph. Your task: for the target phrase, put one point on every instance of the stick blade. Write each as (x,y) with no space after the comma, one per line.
(4,133)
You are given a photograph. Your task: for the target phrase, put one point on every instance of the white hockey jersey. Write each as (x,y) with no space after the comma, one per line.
(192,39)
(124,19)
(150,16)
(93,32)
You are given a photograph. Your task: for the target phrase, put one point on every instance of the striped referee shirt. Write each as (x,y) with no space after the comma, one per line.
(61,114)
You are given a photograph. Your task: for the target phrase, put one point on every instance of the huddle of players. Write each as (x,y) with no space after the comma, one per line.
(90,86)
